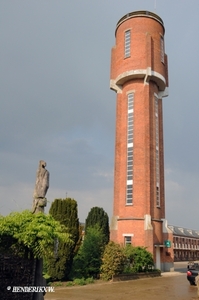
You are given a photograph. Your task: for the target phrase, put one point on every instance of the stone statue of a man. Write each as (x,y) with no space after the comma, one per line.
(41,187)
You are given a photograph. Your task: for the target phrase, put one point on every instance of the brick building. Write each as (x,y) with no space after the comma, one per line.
(185,243)
(139,76)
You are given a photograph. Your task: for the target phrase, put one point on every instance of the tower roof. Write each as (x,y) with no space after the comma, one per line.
(140,13)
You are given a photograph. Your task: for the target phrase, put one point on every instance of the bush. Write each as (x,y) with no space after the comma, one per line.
(88,260)
(47,277)
(138,259)
(113,261)
(90,280)
(25,231)
(69,283)
(79,281)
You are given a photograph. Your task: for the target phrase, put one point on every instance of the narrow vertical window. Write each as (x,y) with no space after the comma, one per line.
(162,49)
(157,158)
(129,183)
(127,240)
(127,43)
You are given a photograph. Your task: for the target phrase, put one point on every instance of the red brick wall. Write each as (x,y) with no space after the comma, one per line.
(145,47)
(145,53)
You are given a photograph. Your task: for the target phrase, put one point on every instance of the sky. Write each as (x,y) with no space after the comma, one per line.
(56,104)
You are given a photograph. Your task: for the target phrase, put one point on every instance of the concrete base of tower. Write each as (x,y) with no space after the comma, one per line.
(114,229)
(162,262)
(163,252)
(167,267)
(113,225)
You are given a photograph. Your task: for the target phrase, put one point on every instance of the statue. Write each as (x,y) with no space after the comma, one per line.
(41,188)
(39,202)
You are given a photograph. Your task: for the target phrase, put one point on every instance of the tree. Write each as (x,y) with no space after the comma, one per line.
(98,216)
(88,260)
(113,261)
(64,211)
(139,259)
(25,232)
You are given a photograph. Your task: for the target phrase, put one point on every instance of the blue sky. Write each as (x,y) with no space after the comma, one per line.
(56,104)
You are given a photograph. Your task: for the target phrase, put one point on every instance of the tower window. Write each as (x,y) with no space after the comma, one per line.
(127,240)
(129,174)
(129,192)
(157,158)
(157,196)
(127,44)
(162,49)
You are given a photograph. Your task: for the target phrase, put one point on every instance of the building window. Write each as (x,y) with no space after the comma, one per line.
(127,240)
(162,49)
(129,192)
(157,158)
(157,196)
(127,44)
(129,175)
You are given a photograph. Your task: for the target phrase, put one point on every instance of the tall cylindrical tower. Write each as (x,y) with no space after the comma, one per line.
(139,76)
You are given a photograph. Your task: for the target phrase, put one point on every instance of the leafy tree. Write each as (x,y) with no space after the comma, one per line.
(64,211)
(113,261)
(98,216)
(35,233)
(88,260)
(139,259)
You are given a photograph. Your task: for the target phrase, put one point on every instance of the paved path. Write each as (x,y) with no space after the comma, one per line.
(169,286)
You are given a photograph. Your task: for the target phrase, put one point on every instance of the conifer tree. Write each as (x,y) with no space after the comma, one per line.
(88,260)
(64,211)
(97,215)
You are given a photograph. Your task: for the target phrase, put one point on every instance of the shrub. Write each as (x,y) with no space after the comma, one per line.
(58,283)
(138,259)
(88,260)
(69,283)
(79,281)
(113,261)
(24,231)
(90,280)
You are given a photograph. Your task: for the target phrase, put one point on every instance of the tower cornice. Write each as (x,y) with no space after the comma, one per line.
(140,13)
(147,74)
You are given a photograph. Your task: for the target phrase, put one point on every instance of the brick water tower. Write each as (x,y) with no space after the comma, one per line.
(139,76)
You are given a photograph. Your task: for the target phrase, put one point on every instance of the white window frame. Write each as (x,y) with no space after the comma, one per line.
(157,155)
(129,167)
(162,51)
(127,43)
(128,238)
